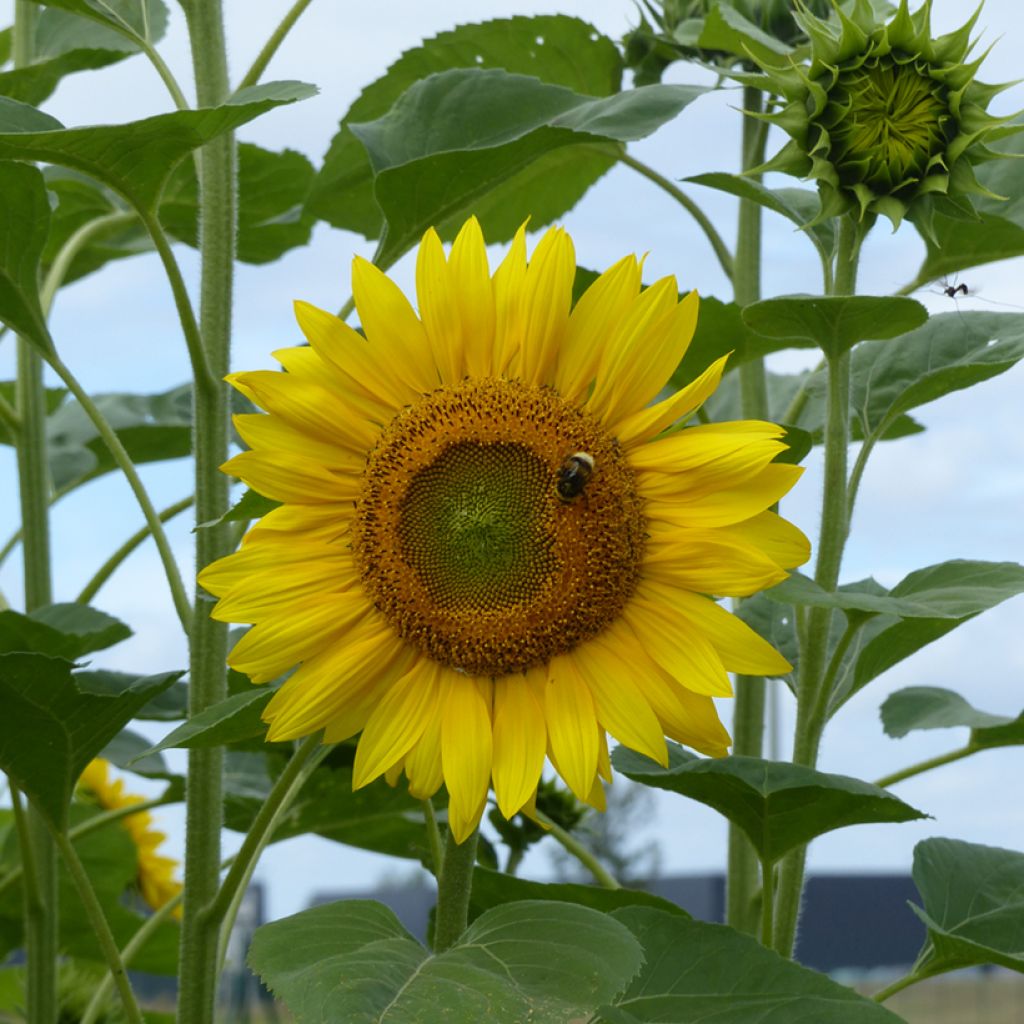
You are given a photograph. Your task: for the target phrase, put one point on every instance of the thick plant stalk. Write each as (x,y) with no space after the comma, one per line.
(41,910)
(453,890)
(208,680)
(743,878)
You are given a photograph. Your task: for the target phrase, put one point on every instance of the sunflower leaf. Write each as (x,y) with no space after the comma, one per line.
(696,971)
(53,729)
(23,229)
(134,159)
(67,631)
(540,961)
(778,805)
(557,49)
(144,20)
(834,324)
(973,900)
(456,136)
(950,352)
(235,718)
(932,707)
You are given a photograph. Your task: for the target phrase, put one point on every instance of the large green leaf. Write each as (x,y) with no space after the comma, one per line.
(61,631)
(548,963)
(272,188)
(696,973)
(134,159)
(457,135)
(950,352)
(778,805)
(834,323)
(973,899)
(64,43)
(52,729)
(144,20)
(931,707)
(556,49)
(775,622)
(23,230)
(493,888)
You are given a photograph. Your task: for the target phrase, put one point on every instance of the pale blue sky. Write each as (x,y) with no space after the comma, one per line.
(955,491)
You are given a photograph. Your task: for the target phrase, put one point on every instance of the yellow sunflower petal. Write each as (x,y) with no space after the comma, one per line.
(470,278)
(305,629)
(291,478)
(711,562)
(466,755)
(593,322)
(520,740)
(676,646)
(281,589)
(269,432)
(312,524)
(508,302)
(639,427)
(738,646)
(392,326)
(572,724)
(784,543)
(423,764)
(396,724)
(439,308)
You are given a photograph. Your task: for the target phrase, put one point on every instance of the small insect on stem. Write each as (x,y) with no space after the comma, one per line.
(952,290)
(573,475)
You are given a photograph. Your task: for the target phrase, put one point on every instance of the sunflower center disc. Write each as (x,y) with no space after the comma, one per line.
(464,543)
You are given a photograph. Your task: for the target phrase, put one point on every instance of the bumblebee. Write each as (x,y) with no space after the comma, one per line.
(573,476)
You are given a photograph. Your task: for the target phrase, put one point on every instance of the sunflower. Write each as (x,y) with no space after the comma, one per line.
(492,547)
(156,873)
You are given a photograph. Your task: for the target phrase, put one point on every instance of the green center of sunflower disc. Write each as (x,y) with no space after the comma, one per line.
(472,525)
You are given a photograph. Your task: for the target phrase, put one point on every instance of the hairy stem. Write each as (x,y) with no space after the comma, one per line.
(433,836)
(742,882)
(926,766)
(453,891)
(217,173)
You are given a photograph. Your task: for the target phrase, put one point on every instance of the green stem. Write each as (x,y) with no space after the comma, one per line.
(217,174)
(300,766)
(572,845)
(767,903)
(206,379)
(79,239)
(433,836)
(165,73)
(10,419)
(125,464)
(42,910)
(811,718)
(926,766)
(721,250)
(453,890)
(101,929)
(742,885)
(134,944)
(107,569)
(263,58)
(897,986)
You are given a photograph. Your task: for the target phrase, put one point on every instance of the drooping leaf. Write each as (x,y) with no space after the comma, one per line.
(539,961)
(493,888)
(834,323)
(695,972)
(973,898)
(235,718)
(778,805)
(556,49)
(457,135)
(23,230)
(931,707)
(131,751)
(53,729)
(64,43)
(134,159)
(950,352)
(272,191)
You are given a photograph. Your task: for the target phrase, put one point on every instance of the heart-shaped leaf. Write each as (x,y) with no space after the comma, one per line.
(973,899)
(695,972)
(931,707)
(540,961)
(778,805)
(834,323)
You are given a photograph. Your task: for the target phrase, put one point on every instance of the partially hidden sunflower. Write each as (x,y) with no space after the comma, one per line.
(493,547)
(156,881)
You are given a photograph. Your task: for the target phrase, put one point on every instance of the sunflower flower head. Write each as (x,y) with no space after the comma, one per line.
(886,119)
(155,879)
(492,550)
